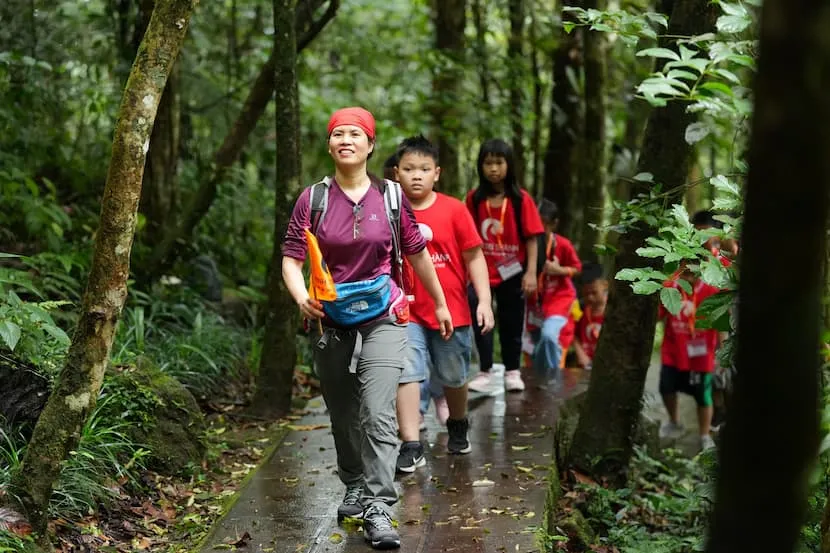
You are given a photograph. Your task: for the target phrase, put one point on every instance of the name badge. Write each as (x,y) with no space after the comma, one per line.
(509,268)
(697,348)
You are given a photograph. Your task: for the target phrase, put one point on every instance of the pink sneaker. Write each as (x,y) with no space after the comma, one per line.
(480,384)
(513,381)
(442,410)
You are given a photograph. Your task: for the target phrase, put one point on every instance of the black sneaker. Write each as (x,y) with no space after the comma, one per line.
(378,529)
(410,457)
(458,444)
(351,506)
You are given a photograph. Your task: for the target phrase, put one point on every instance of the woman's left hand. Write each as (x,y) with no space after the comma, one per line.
(442,314)
(529,284)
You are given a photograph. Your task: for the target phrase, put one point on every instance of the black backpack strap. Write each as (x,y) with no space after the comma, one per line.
(319,202)
(392,198)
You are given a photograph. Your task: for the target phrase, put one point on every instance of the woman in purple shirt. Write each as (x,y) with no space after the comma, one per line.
(359,365)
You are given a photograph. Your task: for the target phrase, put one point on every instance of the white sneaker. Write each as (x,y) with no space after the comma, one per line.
(442,410)
(480,384)
(671,430)
(706,442)
(513,381)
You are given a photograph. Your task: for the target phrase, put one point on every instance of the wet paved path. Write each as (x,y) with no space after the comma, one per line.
(491,500)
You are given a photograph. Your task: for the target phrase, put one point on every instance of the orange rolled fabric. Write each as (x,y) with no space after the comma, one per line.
(321,284)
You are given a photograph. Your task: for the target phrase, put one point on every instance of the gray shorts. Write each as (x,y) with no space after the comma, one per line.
(450,359)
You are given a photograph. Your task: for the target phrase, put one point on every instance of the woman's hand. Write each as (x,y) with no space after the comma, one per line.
(442,314)
(311,309)
(529,283)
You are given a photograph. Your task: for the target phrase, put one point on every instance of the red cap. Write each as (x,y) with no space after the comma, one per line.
(358,117)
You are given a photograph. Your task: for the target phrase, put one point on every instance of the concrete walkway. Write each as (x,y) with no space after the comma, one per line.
(489,501)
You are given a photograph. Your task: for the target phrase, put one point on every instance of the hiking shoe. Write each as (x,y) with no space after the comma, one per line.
(513,381)
(706,442)
(458,444)
(671,430)
(351,506)
(442,410)
(410,457)
(480,384)
(378,529)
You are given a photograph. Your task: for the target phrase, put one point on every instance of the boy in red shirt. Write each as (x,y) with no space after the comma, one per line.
(455,247)
(595,299)
(555,297)
(688,359)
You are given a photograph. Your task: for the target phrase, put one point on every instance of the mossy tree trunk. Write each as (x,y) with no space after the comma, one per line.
(535,186)
(761,494)
(450,19)
(593,163)
(178,232)
(279,350)
(516,83)
(58,429)
(613,402)
(565,124)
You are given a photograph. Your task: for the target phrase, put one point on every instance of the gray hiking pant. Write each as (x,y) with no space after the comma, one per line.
(362,404)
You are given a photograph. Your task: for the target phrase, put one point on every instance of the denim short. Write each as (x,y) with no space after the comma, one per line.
(450,358)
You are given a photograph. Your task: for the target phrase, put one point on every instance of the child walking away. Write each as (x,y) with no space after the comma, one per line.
(594,299)
(556,296)
(455,248)
(509,224)
(688,357)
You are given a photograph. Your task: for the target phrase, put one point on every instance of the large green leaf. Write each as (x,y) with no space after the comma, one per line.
(671,299)
(10,332)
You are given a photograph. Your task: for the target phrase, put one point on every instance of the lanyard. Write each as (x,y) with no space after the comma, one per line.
(550,247)
(501,218)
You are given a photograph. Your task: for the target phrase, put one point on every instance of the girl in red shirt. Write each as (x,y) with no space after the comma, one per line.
(508,222)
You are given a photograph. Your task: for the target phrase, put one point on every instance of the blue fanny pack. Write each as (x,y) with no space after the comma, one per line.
(359,302)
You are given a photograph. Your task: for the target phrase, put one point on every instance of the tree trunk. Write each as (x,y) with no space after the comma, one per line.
(178,233)
(58,429)
(516,82)
(593,164)
(450,17)
(536,137)
(276,367)
(612,406)
(480,49)
(693,197)
(160,191)
(565,124)
(758,487)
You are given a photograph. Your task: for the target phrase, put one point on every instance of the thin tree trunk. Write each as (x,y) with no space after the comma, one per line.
(612,405)
(516,71)
(450,17)
(179,232)
(160,191)
(565,124)
(593,158)
(276,368)
(761,493)
(693,197)
(480,49)
(536,137)
(58,429)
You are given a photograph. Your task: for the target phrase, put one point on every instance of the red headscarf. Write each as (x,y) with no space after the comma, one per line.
(358,117)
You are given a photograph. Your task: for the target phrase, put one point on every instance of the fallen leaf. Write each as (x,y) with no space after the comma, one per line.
(306,427)
(14,522)
(336,538)
(412,522)
(520,447)
(240,541)
(525,470)
(483,483)
(582,478)
(531,514)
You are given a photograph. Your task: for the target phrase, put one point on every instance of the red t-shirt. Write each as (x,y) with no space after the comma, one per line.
(558,292)
(587,331)
(497,227)
(685,348)
(449,231)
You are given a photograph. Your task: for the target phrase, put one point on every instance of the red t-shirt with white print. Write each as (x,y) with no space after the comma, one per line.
(500,236)
(587,331)
(558,292)
(449,231)
(684,347)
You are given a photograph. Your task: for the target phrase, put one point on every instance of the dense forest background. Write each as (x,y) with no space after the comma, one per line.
(630,114)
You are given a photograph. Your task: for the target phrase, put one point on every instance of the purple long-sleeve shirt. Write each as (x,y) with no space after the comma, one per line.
(351,259)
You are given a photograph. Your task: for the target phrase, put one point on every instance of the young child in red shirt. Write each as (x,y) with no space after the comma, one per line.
(595,299)
(555,297)
(688,358)
(454,245)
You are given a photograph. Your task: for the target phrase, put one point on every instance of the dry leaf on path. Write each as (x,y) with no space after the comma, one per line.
(483,483)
